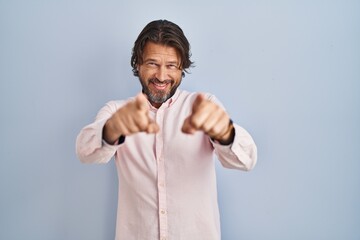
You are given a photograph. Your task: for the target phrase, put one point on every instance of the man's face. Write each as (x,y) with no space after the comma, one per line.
(160,73)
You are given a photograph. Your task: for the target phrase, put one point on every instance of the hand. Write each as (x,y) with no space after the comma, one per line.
(211,119)
(132,118)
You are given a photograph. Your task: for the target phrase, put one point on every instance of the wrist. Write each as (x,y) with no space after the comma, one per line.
(108,133)
(228,137)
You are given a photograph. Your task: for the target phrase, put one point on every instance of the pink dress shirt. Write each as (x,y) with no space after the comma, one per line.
(167,182)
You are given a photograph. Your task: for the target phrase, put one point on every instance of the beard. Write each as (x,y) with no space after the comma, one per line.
(158,96)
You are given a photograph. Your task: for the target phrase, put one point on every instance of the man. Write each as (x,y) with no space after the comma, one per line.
(163,141)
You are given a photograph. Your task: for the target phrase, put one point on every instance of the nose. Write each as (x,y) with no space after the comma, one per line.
(162,73)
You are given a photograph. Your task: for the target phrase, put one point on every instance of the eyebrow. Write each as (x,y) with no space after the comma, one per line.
(155,60)
(173,62)
(150,60)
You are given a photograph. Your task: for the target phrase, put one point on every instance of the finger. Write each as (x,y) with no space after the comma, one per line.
(141,102)
(124,126)
(212,120)
(142,121)
(187,127)
(153,128)
(145,123)
(200,98)
(220,128)
(132,126)
(202,114)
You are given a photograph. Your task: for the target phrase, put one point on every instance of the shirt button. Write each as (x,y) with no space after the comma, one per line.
(163,238)
(161,184)
(162,211)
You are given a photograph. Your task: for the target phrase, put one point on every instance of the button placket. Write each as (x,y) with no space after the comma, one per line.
(161,184)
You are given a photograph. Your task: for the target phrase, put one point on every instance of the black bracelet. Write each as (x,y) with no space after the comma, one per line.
(121,139)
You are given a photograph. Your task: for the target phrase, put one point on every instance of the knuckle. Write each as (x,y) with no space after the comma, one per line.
(126,132)
(142,122)
(217,129)
(206,128)
(219,110)
(134,129)
(195,122)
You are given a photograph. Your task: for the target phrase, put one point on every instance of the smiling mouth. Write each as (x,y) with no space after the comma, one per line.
(160,86)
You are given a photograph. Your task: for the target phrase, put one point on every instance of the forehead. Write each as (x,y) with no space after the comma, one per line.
(160,52)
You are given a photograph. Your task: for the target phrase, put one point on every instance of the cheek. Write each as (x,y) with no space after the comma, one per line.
(178,78)
(143,77)
(145,74)
(140,71)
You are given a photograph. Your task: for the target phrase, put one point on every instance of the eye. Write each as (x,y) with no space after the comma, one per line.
(172,66)
(151,64)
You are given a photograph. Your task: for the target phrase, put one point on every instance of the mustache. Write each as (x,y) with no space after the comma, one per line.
(156,80)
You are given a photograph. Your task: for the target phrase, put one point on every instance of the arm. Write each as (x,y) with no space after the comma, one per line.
(233,144)
(241,154)
(98,142)
(90,146)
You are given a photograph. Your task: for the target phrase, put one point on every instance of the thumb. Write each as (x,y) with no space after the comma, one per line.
(198,100)
(141,102)
(187,127)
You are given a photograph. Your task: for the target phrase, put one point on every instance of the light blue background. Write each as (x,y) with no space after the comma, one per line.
(287,71)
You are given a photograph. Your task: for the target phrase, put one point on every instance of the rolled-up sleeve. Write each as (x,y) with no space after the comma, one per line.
(90,146)
(241,154)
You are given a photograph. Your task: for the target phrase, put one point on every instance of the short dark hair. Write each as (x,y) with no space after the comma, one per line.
(166,33)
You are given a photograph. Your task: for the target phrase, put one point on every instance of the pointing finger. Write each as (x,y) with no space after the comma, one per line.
(199,99)
(141,102)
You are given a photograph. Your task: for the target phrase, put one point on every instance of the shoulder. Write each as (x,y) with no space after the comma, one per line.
(192,95)
(114,105)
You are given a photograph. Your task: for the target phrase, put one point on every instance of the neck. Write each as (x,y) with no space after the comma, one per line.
(155,105)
